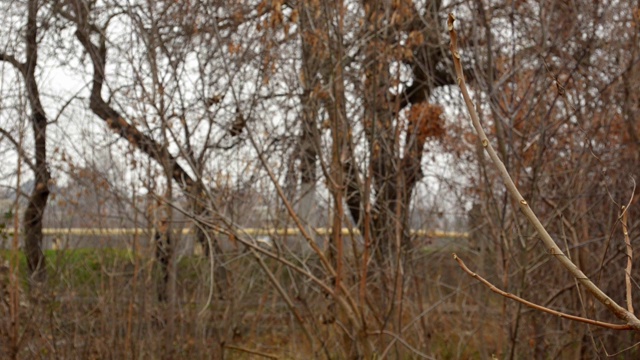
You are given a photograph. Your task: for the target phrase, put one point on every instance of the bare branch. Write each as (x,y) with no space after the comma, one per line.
(13,61)
(548,241)
(249,351)
(116,121)
(19,148)
(536,306)
(627,273)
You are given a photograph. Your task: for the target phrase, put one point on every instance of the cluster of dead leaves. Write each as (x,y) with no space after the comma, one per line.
(426,121)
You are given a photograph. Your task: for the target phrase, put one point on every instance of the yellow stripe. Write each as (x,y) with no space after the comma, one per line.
(248,231)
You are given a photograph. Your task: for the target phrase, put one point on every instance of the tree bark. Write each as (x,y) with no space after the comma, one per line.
(34,213)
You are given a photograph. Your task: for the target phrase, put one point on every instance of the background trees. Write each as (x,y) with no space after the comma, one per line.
(303,114)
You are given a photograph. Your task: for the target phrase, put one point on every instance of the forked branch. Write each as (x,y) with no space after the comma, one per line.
(620,312)
(535,306)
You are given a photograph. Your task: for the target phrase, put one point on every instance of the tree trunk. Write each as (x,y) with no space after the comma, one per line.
(34,212)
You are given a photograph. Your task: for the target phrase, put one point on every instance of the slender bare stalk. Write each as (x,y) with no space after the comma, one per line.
(13,266)
(344,298)
(618,352)
(367,241)
(547,240)
(399,339)
(256,252)
(539,307)
(283,293)
(252,352)
(128,342)
(627,274)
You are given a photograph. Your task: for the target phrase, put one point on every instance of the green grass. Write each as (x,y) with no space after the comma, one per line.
(84,268)
(73,256)
(76,266)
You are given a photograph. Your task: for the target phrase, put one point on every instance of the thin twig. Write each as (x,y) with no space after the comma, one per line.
(212,273)
(536,306)
(548,241)
(401,341)
(419,317)
(14,290)
(627,274)
(249,351)
(619,352)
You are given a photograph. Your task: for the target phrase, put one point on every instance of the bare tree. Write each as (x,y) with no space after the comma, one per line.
(34,213)
(326,125)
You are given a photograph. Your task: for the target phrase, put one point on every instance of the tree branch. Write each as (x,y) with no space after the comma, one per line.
(548,241)
(19,149)
(116,121)
(536,306)
(627,273)
(13,61)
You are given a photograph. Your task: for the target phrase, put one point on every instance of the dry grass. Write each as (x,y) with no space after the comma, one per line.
(103,304)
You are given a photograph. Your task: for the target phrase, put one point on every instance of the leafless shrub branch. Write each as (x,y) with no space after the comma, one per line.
(620,312)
